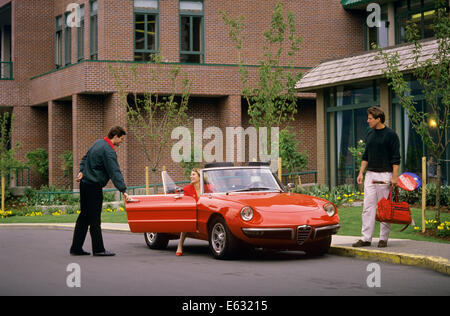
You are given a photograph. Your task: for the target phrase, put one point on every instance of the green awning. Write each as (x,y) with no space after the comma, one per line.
(353,4)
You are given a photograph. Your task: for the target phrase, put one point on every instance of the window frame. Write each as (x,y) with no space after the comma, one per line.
(146,13)
(191,15)
(80,35)
(384,24)
(59,42)
(408,14)
(331,110)
(93,31)
(67,41)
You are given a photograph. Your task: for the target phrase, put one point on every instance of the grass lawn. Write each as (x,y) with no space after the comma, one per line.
(350,222)
(115,217)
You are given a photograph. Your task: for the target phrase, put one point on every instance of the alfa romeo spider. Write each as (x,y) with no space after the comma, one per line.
(238,208)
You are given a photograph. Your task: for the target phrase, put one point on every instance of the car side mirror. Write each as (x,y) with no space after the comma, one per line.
(290,186)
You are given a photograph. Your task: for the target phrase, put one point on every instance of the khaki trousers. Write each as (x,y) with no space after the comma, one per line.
(372,194)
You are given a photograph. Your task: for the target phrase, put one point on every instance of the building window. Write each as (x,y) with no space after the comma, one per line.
(420,12)
(67,41)
(80,35)
(346,107)
(6,65)
(377,35)
(93,27)
(191,32)
(58,42)
(146,29)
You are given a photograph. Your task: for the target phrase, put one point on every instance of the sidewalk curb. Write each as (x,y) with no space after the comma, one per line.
(437,264)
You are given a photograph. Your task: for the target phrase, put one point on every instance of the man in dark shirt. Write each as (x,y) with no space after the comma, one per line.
(96,168)
(381,159)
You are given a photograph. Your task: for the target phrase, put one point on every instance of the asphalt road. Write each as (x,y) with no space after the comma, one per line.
(37,262)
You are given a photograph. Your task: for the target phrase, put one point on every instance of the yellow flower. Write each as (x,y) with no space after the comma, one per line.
(338,198)
(416,228)
(350,200)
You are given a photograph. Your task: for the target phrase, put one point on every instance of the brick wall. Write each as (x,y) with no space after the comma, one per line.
(72,107)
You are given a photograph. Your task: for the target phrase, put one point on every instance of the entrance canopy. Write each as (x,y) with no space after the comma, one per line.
(360,67)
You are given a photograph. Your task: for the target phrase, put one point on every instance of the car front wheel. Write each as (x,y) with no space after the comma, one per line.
(156,240)
(222,243)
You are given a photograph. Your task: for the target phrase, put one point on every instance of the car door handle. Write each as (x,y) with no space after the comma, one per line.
(176,197)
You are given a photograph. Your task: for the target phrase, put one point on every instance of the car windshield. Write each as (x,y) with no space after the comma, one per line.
(239,180)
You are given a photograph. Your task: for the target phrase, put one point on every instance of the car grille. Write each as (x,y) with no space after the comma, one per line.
(303,233)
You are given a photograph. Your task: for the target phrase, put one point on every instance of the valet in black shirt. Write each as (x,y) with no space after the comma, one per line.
(382,150)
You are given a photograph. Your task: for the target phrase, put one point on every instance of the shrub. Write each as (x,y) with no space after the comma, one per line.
(415,197)
(38,161)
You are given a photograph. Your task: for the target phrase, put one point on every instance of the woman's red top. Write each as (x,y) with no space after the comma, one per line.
(190,190)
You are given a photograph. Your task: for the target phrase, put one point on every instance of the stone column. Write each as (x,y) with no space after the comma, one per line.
(60,140)
(321,138)
(87,126)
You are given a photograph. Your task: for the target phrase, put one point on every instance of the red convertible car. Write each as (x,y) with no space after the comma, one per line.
(242,206)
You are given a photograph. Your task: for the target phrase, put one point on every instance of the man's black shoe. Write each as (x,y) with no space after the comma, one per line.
(79,253)
(361,243)
(104,254)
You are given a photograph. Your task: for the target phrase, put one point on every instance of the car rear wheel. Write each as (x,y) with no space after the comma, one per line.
(156,240)
(222,243)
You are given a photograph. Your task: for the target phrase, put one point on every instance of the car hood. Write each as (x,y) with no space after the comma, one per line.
(276,202)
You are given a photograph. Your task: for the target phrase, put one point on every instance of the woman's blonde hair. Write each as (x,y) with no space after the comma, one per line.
(196,170)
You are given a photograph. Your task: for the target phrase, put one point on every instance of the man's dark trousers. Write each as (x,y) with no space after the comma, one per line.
(91,200)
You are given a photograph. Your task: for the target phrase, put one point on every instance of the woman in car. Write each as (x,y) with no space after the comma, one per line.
(193,190)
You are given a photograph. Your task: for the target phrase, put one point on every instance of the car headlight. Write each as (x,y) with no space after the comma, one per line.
(246,213)
(330,209)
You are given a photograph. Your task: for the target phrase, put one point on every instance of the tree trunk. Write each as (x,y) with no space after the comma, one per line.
(3,193)
(438,194)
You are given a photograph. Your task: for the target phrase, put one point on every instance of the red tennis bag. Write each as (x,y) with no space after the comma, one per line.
(392,211)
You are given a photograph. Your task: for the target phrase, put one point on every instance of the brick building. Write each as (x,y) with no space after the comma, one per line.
(56,80)
(346,87)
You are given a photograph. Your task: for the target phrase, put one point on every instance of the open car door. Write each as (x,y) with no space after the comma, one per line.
(162,213)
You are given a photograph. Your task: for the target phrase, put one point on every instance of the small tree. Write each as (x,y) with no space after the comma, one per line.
(7,160)
(151,117)
(67,164)
(38,161)
(434,76)
(272,101)
(292,159)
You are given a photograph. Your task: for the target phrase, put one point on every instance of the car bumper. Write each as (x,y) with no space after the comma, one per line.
(298,235)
